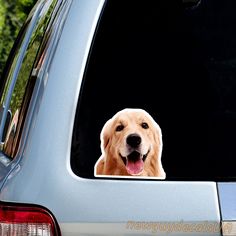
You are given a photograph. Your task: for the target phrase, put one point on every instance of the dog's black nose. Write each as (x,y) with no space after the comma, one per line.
(133,140)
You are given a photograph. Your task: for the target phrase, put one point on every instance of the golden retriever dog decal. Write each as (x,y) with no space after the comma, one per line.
(131,145)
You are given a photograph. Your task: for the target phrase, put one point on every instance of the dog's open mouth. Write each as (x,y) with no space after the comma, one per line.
(134,162)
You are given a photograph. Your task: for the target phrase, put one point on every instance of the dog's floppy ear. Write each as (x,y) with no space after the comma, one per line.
(158,134)
(105,135)
(159,145)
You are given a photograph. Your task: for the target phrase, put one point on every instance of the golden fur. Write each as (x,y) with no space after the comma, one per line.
(116,151)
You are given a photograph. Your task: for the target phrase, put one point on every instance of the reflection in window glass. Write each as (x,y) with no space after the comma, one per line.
(25,83)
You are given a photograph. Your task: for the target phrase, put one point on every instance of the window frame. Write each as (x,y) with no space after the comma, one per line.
(74,155)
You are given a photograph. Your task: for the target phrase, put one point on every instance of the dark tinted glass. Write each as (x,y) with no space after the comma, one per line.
(177,63)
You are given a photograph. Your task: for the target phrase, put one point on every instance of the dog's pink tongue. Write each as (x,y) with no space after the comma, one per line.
(134,167)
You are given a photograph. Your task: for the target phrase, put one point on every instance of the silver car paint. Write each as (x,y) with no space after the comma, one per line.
(43,175)
(227,197)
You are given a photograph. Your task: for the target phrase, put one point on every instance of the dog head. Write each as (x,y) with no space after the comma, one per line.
(132,140)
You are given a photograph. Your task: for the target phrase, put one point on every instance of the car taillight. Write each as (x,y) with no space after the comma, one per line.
(16,219)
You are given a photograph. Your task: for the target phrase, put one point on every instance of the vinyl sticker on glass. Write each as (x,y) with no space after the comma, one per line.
(131,146)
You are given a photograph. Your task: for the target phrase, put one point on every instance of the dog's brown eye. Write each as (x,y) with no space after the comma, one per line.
(119,128)
(144,125)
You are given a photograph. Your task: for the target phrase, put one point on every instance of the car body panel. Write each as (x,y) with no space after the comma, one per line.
(227,193)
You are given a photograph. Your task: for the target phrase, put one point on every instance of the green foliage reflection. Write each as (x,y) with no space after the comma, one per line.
(12,15)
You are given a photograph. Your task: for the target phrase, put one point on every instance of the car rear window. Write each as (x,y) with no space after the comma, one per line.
(178,64)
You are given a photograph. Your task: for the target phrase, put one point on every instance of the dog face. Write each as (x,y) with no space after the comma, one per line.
(132,140)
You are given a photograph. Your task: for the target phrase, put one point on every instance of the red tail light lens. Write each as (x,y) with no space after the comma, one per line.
(27,220)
